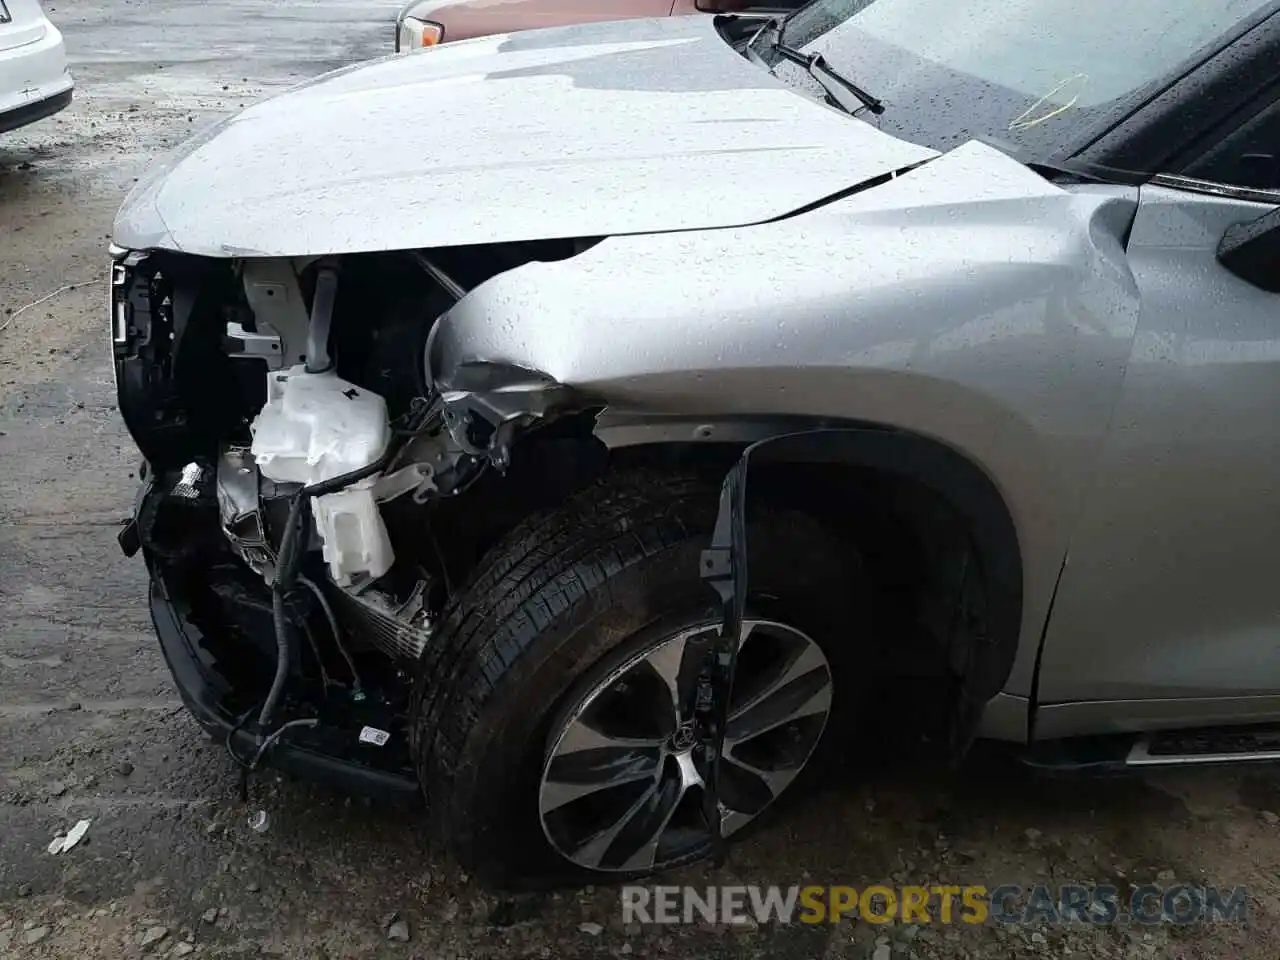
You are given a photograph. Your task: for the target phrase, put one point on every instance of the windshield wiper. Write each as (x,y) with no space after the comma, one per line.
(846,94)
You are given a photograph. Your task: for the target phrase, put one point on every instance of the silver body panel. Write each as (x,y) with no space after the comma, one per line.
(968,300)
(1121,390)
(579,131)
(1170,592)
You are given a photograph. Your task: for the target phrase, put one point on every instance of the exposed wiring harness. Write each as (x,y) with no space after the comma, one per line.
(288,571)
(247,767)
(336,630)
(325,680)
(240,762)
(271,741)
(288,575)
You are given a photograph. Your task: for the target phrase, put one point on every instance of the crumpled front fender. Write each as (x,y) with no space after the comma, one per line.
(969,300)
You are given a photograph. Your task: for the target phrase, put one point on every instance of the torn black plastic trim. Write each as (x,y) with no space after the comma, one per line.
(986,626)
(724,567)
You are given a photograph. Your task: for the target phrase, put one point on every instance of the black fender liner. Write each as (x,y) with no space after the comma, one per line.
(990,648)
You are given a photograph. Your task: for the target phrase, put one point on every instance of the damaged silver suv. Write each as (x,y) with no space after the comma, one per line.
(600,430)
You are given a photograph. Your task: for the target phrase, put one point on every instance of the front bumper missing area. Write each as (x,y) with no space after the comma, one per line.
(209,698)
(201,695)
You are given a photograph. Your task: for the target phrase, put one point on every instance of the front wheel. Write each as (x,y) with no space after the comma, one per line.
(553,724)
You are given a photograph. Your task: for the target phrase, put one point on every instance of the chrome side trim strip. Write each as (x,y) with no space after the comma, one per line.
(1192,185)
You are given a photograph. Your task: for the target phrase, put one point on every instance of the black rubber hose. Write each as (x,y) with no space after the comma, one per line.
(334,484)
(284,652)
(287,567)
(279,591)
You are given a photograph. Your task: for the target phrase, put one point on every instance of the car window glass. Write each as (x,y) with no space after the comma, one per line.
(1032,45)
(1031,73)
(1248,157)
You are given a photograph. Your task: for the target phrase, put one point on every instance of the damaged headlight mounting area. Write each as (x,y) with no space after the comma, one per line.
(314,463)
(486,405)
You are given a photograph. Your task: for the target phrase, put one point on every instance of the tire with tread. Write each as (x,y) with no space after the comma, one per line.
(612,569)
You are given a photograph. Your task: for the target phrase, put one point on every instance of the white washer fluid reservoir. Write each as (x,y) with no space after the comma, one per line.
(317,426)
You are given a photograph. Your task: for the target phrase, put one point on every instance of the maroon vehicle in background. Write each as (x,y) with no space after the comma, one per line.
(425,23)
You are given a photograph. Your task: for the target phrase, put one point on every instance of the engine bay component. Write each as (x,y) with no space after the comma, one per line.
(254,344)
(446,282)
(416,478)
(400,629)
(354,538)
(315,427)
(278,313)
(240,510)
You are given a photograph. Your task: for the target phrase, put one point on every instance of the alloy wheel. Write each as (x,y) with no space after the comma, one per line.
(621,787)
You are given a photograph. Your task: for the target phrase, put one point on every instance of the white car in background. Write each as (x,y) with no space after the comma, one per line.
(35,81)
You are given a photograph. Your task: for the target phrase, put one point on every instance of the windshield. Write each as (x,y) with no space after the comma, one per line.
(1033,74)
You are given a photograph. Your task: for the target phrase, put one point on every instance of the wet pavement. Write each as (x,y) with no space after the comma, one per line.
(90,727)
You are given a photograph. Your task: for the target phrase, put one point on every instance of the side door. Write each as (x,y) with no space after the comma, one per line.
(1168,608)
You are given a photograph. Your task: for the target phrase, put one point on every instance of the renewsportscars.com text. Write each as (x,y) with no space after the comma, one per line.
(1102,904)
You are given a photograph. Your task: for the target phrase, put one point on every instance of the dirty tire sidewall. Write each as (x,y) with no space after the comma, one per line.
(564,595)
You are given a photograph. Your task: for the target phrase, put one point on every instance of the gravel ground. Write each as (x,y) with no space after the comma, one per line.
(90,726)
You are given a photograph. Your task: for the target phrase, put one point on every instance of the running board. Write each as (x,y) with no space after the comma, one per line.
(1142,755)
(1175,748)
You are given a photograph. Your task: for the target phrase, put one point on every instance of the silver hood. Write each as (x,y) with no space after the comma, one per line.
(628,127)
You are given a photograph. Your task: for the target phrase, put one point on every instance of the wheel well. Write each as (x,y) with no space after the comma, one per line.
(914,543)
(936,540)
